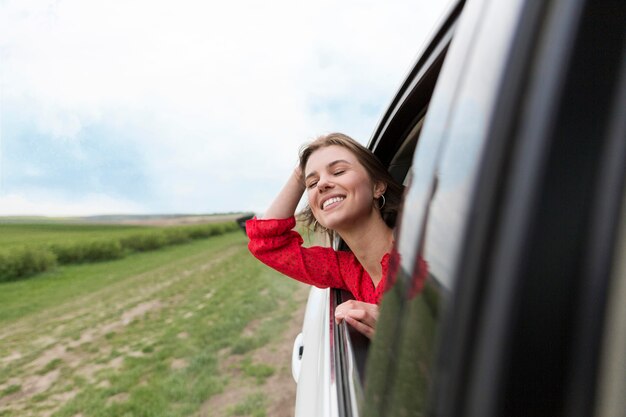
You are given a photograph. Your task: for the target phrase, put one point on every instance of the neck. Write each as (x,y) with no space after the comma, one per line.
(369,241)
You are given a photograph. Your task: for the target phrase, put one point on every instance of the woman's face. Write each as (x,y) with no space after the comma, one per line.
(340,191)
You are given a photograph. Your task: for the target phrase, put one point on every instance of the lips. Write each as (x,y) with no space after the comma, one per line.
(332,200)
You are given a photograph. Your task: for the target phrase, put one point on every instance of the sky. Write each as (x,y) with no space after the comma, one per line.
(153,107)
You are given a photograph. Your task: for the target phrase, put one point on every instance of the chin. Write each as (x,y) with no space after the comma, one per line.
(328,223)
(335,221)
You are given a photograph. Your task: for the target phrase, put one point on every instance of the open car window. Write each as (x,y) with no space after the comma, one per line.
(395,143)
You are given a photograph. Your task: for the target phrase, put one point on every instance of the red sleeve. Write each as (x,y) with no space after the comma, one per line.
(274,243)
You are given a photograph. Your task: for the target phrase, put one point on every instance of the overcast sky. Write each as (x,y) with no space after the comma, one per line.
(188,106)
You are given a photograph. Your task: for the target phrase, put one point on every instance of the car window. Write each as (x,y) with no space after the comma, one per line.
(435,215)
(612,385)
(402,160)
(422,311)
(399,146)
(425,282)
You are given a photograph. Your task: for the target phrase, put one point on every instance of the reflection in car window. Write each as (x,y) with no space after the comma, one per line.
(383,355)
(435,212)
(448,207)
(445,206)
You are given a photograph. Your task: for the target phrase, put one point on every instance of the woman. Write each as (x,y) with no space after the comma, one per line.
(350,193)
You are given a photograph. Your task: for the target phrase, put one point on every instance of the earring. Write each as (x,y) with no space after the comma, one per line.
(384,202)
(316,224)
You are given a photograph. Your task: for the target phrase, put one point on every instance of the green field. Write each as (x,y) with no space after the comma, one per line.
(29,249)
(12,234)
(196,329)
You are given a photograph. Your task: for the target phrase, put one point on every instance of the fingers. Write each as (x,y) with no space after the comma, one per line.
(361,327)
(358,309)
(357,305)
(343,308)
(362,316)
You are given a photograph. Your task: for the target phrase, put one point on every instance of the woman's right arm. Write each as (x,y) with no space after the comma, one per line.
(274,242)
(286,202)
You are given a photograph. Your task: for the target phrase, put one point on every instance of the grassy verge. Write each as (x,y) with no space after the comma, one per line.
(141,336)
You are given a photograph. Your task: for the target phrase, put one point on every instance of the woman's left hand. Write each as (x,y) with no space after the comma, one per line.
(362,316)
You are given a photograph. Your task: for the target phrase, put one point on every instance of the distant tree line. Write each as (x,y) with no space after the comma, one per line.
(25,261)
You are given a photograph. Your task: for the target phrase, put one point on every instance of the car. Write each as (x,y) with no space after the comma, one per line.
(241,220)
(509,135)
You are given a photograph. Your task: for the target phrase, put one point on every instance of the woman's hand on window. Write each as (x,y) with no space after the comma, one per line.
(362,316)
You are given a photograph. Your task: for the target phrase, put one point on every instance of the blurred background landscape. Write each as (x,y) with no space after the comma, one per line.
(142,316)
(132,135)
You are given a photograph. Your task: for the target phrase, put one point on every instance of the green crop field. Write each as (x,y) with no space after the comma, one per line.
(29,249)
(194,329)
(12,234)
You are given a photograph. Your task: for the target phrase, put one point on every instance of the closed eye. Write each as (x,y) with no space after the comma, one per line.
(312,184)
(339,172)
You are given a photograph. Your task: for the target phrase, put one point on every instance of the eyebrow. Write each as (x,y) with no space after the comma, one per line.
(330,165)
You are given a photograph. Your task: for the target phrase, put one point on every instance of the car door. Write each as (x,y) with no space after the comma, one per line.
(515,196)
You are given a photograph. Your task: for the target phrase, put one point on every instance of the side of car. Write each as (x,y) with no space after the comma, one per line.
(509,135)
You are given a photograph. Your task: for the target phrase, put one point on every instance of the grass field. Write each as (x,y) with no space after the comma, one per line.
(199,329)
(30,249)
(54,233)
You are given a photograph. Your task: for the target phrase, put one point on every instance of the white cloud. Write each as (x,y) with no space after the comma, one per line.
(210,91)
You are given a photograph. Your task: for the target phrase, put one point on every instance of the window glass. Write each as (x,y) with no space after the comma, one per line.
(433,220)
(435,214)
(427,279)
(381,358)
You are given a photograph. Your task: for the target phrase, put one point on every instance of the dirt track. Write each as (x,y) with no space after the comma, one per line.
(48,351)
(280,388)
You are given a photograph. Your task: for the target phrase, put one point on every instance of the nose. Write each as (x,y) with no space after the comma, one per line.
(324,183)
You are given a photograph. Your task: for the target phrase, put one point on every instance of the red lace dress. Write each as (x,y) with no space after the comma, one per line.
(274,243)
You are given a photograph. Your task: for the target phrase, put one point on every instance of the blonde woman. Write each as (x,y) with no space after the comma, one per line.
(350,193)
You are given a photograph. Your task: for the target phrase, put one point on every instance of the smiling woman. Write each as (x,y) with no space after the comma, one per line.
(349,194)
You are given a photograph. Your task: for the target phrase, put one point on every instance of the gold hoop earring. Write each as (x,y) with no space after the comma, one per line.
(316,224)
(384,202)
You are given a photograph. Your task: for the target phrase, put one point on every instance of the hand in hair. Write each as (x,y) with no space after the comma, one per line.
(360,315)
(287,200)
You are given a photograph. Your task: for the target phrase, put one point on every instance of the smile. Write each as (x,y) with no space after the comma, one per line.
(330,201)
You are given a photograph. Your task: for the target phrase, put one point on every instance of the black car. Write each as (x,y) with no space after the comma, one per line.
(509,134)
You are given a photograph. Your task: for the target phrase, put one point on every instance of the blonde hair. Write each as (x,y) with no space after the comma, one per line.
(374,168)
